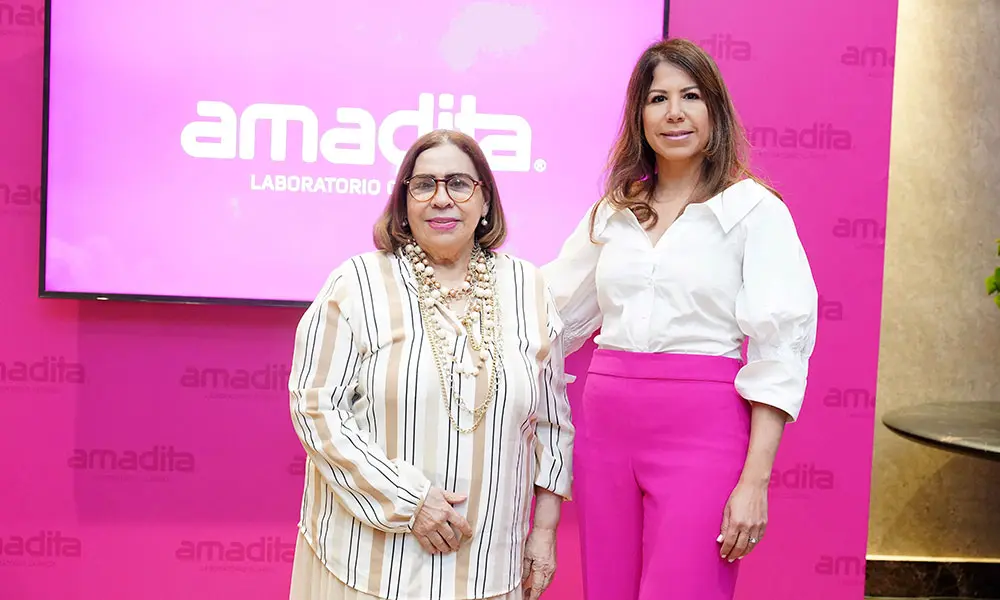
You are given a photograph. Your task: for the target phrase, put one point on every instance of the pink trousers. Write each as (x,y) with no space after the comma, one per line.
(660,445)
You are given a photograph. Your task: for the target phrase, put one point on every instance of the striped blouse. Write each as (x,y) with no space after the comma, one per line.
(366,403)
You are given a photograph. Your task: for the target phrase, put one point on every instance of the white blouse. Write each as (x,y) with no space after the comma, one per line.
(727,269)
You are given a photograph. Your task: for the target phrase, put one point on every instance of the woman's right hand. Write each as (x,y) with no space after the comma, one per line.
(433,525)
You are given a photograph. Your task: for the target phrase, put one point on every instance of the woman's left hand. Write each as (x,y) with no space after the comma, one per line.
(744,520)
(539,562)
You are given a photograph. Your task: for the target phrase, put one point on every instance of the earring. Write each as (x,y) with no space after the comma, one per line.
(405,223)
(483,222)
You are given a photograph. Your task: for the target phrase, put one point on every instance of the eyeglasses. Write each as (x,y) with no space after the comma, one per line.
(459,187)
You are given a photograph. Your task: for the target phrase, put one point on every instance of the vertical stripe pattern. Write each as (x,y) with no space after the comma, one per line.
(367,406)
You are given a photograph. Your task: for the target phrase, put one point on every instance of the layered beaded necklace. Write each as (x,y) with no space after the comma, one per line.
(481,321)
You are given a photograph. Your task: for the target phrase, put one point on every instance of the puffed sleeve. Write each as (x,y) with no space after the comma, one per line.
(384,494)
(776,309)
(571,279)
(554,426)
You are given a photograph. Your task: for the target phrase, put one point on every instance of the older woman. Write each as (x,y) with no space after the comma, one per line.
(427,388)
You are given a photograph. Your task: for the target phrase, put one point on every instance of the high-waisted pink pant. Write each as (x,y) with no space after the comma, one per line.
(661,441)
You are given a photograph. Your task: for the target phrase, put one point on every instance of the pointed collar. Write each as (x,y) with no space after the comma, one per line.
(729,206)
(735,202)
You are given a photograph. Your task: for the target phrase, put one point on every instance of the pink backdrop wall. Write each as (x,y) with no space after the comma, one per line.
(120,479)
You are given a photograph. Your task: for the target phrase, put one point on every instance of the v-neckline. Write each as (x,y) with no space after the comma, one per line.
(645,233)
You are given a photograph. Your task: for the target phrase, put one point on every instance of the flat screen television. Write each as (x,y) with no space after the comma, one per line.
(235,152)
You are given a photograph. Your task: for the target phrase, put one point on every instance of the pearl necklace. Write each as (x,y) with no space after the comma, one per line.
(482,313)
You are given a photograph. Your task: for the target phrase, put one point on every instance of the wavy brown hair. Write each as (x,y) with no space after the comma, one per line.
(389,232)
(631,172)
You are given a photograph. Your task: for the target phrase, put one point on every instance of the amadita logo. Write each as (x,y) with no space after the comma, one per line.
(724,47)
(262,554)
(830,310)
(841,566)
(269,378)
(21,18)
(269,382)
(857,400)
(802,476)
(52,370)
(874,57)
(868,232)
(818,137)
(224,134)
(41,549)
(158,459)
(20,197)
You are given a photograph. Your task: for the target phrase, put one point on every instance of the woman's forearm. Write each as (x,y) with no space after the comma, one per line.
(548,509)
(767,425)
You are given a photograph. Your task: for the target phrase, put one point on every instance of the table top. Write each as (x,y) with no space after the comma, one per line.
(966,427)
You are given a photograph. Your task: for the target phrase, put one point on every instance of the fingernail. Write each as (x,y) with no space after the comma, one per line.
(719,539)
(731,559)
